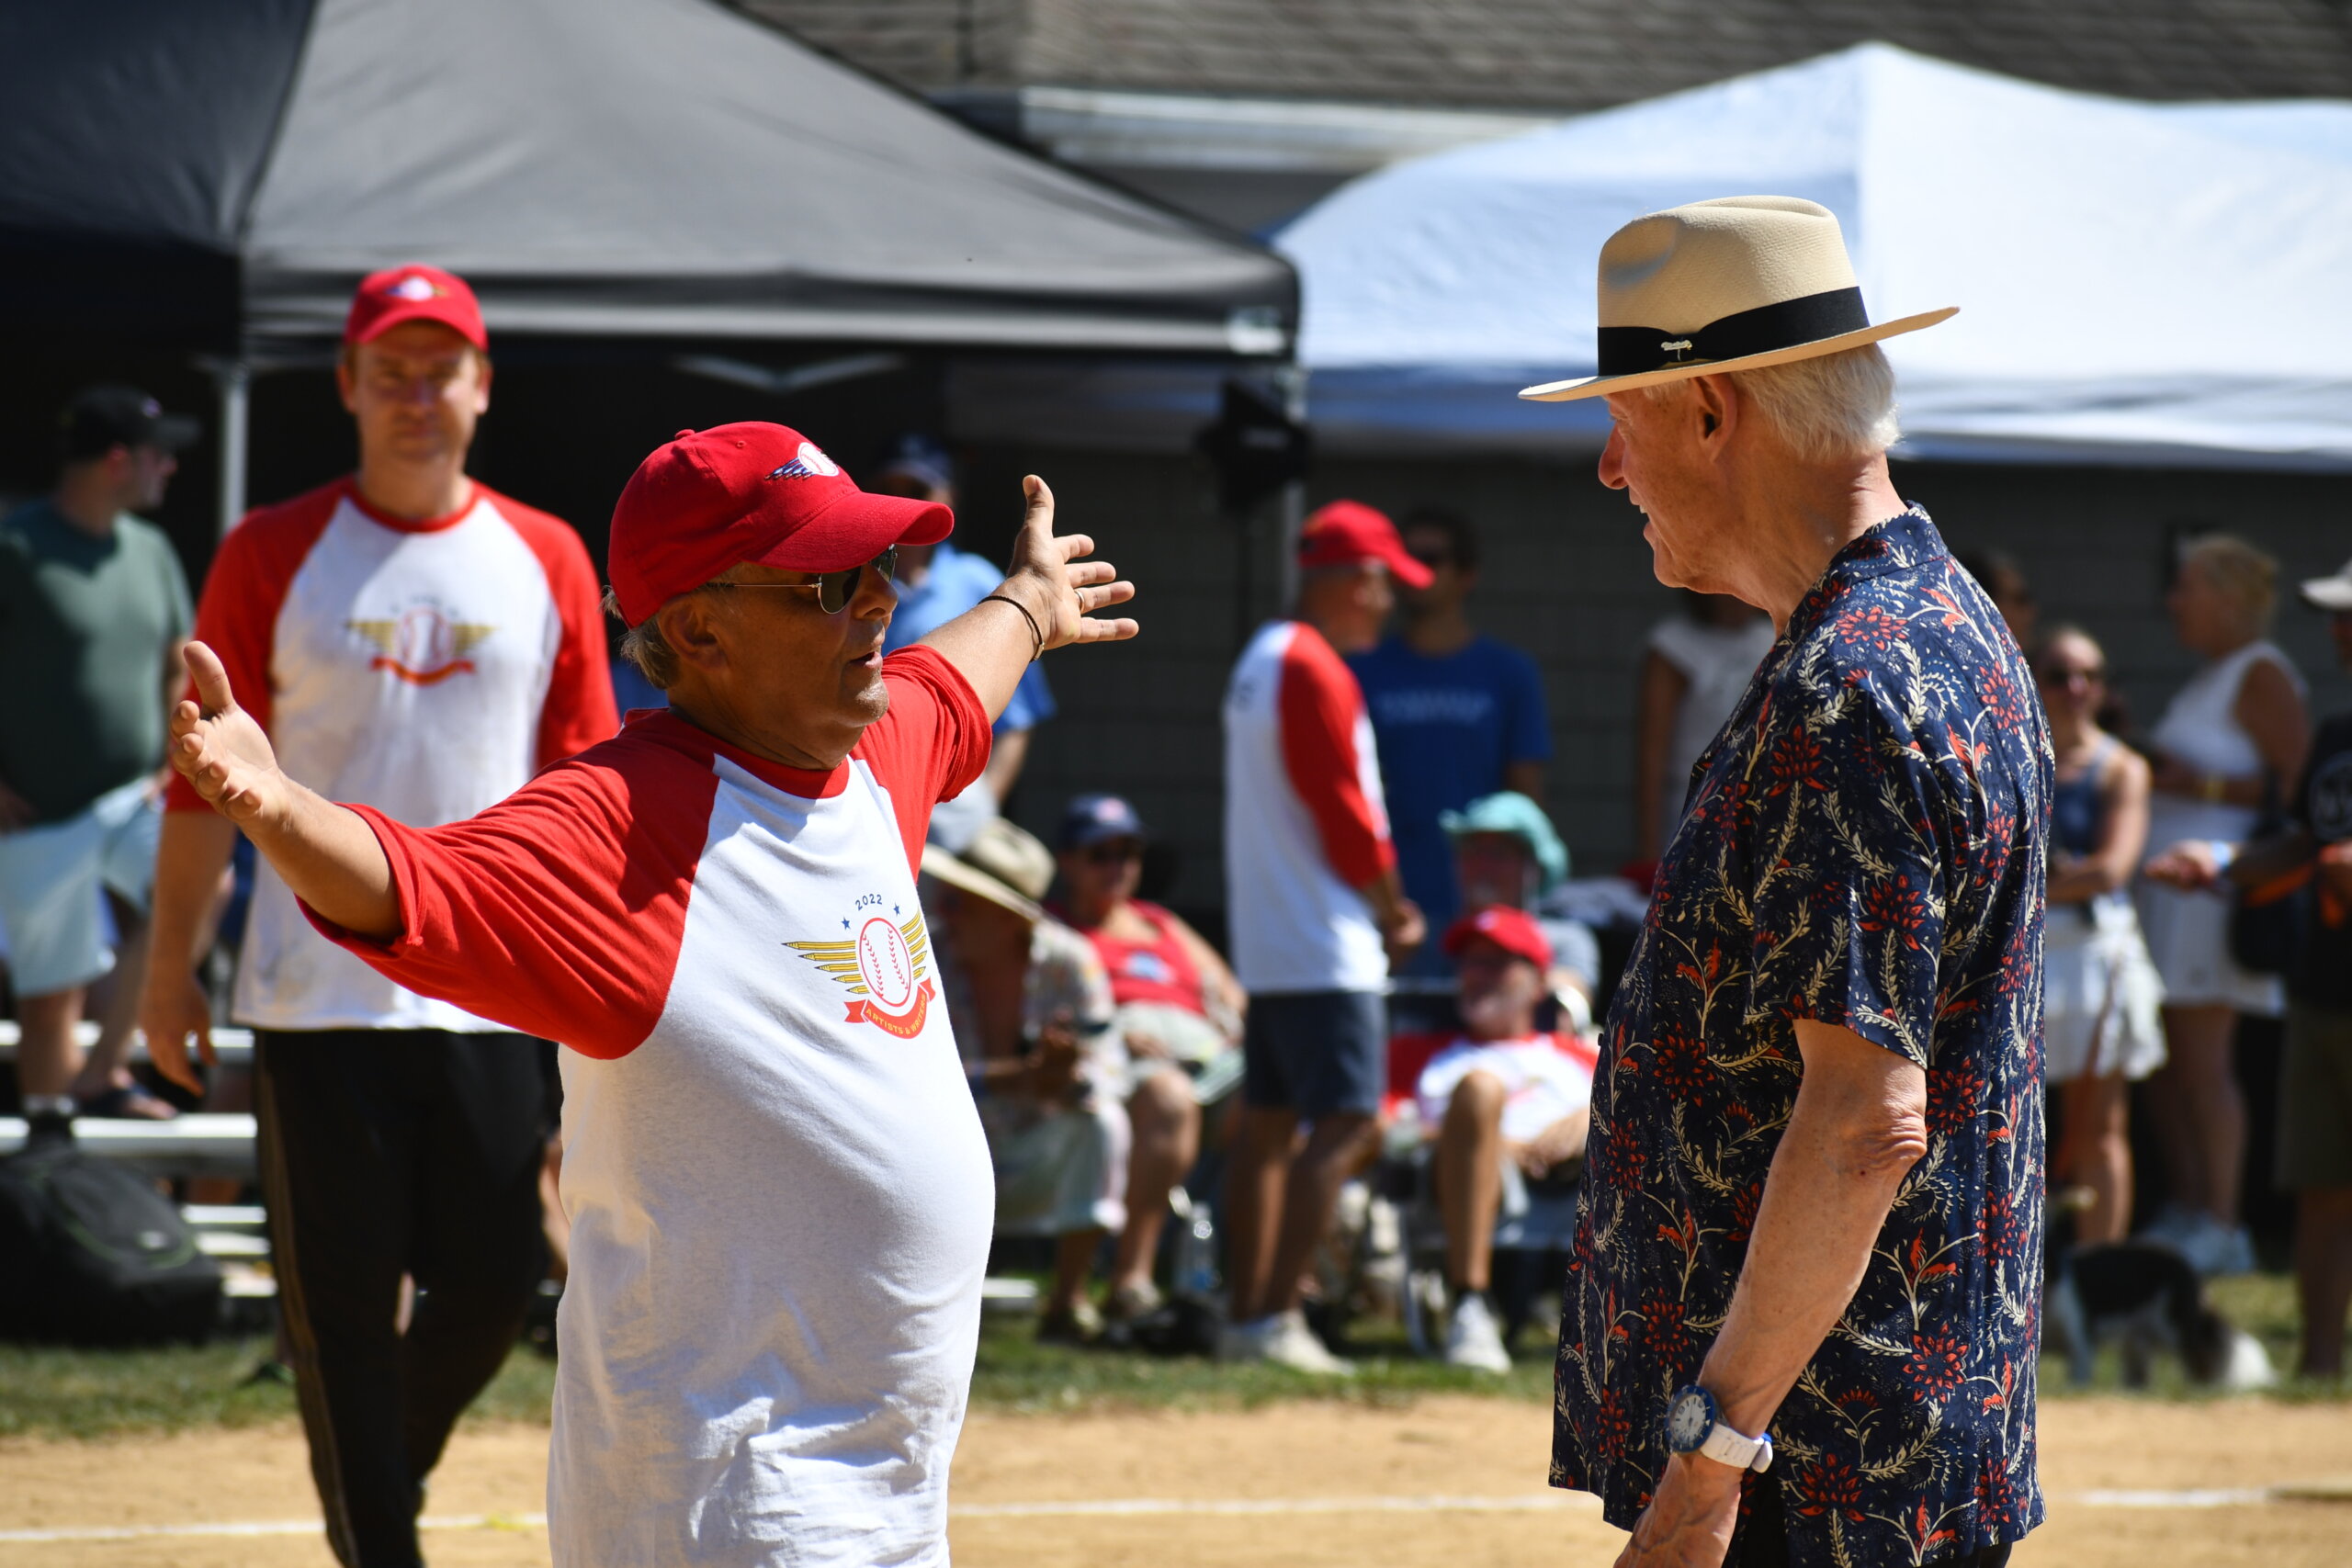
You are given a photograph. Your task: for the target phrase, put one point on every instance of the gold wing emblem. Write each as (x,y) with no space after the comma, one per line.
(465,636)
(383,634)
(839,959)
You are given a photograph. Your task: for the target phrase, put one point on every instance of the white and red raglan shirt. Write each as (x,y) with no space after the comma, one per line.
(779,1192)
(422,668)
(1305,824)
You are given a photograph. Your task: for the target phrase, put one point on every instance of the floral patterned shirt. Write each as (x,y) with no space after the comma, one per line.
(1865,847)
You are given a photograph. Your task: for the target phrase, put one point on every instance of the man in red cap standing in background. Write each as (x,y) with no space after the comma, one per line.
(1317,913)
(779,1192)
(409,639)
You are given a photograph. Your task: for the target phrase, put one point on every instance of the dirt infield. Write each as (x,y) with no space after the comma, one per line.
(1281,1459)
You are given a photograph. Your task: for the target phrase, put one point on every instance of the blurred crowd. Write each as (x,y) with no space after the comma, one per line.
(1371,1088)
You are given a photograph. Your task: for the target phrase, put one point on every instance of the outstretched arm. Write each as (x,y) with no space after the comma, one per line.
(327,855)
(993,642)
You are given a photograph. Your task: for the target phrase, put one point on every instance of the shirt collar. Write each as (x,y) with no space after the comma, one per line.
(1903,541)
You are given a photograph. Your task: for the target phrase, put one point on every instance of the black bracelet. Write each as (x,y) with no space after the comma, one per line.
(1037,652)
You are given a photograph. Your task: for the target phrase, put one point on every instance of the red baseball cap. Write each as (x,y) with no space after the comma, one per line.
(1513,931)
(1348,532)
(709,499)
(413,293)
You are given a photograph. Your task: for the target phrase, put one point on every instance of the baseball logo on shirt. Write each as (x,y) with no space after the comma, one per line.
(882,966)
(423,645)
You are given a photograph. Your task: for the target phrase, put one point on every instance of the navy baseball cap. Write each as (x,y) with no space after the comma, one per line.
(99,419)
(1091,818)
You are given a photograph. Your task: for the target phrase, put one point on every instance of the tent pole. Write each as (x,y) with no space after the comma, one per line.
(1290,380)
(234,379)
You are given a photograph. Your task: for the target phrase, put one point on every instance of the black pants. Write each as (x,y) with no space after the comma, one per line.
(1763,1538)
(384,1153)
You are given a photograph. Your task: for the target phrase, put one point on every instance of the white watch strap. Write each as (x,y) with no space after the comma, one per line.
(1727,1447)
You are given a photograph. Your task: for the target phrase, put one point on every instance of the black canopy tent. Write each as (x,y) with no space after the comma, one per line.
(655,171)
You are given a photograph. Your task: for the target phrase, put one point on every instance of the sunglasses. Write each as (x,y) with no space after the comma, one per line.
(835,588)
(2067,676)
(1114,852)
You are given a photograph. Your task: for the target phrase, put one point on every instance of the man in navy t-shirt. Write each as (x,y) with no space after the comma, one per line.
(1456,715)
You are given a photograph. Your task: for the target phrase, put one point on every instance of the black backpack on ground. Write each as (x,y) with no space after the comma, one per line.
(90,1252)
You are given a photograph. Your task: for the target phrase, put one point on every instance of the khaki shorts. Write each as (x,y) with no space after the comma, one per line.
(2315,1098)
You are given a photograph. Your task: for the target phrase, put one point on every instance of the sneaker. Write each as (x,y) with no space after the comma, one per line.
(1081,1324)
(2214,1249)
(1473,1338)
(1129,1302)
(2171,1227)
(1283,1339)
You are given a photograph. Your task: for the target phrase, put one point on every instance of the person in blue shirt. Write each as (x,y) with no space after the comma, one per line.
(1456,715)
(938,583)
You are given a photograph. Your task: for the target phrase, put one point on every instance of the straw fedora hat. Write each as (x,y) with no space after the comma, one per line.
(1003,863)
(1733,284)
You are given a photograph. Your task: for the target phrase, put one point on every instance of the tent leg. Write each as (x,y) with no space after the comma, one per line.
(1290,380)
(233,377)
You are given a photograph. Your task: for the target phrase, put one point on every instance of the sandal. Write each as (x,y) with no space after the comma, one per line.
(126,1102)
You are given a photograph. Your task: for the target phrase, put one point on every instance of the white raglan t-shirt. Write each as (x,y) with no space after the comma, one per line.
(779,1193)
(423,668)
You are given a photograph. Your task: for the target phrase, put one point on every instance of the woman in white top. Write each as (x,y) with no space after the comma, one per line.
(2232,737)
(2100,994)
(1697,667)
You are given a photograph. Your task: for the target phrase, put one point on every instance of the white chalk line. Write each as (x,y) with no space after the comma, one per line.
(1147,1508)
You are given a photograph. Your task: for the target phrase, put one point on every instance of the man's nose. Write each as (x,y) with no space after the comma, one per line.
(877,595)
(1612,460)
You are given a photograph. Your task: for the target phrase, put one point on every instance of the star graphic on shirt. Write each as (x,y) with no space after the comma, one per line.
(845,925)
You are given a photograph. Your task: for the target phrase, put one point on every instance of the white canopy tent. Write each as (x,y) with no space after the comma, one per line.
(2138,283)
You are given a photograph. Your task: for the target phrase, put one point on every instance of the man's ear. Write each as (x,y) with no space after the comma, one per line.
(690,625)
(1714,402)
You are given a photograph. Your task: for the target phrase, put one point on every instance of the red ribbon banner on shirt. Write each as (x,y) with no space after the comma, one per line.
(905,1025)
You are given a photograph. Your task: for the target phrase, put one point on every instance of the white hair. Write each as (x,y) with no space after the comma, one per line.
(1830,406)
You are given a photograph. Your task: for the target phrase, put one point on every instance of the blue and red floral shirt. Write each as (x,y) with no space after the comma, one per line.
(1865,847)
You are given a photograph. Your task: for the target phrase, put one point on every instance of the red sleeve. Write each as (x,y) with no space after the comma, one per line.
(237,616)
(560,910)
(579,710)
(932,742)
(1321,709)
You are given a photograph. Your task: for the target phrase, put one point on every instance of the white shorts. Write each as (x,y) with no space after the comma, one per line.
(1058,1168)
(50,877)
(2189,938)
(2099,994)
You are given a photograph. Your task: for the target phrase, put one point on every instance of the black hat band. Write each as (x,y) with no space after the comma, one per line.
(1631,351)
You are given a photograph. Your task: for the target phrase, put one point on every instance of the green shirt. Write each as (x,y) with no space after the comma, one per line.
(86,628)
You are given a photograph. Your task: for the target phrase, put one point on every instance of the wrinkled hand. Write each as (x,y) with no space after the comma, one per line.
(173,1009)
(1540,1154)
(219,749)
(1064,584)
(2191,866)
(16,811)
(1690,1519)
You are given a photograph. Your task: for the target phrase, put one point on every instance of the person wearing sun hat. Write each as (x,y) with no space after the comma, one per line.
(1317,913)
(779,1191)
(1813,1180)
(412,639)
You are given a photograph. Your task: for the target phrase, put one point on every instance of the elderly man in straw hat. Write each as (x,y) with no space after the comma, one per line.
(1800,1315)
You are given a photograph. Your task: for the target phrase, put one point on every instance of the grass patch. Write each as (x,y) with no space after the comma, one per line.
(51,1391)
(56,1392)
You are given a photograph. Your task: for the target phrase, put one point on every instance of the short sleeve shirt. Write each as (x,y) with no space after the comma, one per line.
(954,583)
(1865,847)
(1446,729)
(86,627)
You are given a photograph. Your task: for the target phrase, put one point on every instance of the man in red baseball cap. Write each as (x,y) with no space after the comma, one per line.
(412,639)
(1498,1095)
(1318,917)
(779,1191)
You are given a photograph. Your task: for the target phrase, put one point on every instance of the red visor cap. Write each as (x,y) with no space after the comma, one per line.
(1346,533)
(1513,931)
(710,498)
(413,293)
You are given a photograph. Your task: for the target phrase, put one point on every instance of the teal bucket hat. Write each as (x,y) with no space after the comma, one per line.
(1510,812)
